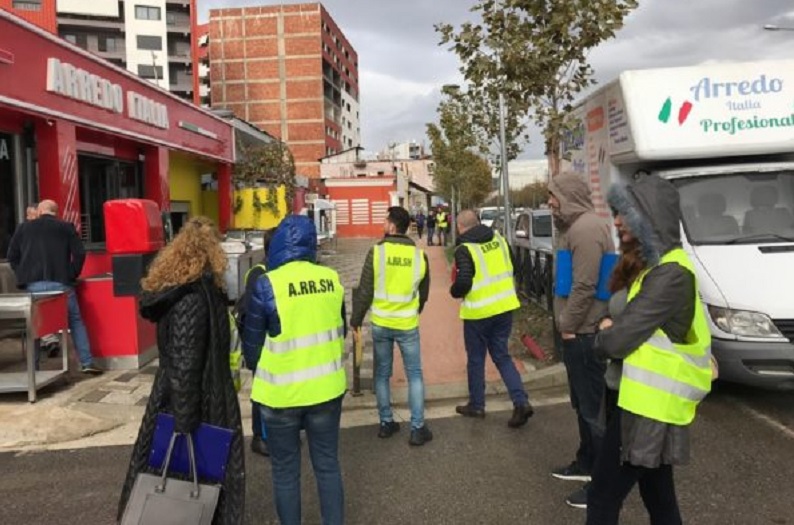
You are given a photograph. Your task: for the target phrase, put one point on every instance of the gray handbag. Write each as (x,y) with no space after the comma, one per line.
(159,500)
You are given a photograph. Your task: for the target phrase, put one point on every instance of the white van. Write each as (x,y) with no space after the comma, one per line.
(488,214)
(724,135)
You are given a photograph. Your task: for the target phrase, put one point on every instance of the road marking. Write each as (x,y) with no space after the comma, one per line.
(771,422)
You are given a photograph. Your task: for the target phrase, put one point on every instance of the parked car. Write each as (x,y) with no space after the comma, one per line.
(488,214)
(533,230)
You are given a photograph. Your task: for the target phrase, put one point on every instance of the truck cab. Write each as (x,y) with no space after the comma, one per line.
(723,134)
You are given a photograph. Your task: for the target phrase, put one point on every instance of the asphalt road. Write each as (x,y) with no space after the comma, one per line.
(473,472)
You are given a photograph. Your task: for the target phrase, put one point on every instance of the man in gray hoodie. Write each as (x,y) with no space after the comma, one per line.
(585,238)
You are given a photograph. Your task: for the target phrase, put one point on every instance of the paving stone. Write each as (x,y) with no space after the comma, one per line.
(126,377)
(121,398)
(94,397)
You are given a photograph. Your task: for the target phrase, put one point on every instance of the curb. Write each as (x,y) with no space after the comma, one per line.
(534,381)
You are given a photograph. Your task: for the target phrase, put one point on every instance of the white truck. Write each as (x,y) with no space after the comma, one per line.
(724,135)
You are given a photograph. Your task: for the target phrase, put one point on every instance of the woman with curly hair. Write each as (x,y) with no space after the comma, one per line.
(183,293)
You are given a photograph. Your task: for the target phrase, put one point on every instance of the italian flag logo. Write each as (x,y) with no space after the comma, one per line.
(667,110)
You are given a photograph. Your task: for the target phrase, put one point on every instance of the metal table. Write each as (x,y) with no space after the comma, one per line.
(30,317)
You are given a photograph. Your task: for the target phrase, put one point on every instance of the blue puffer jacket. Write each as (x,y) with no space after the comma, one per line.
(295,240)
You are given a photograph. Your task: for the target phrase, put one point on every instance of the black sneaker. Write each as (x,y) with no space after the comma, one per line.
(420,436)
(90,369)
(572,472)
(259,446)
(470,411)
(388,429)
(521,415)
(578,499)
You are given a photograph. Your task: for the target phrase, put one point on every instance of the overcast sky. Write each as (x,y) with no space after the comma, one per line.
(402,68)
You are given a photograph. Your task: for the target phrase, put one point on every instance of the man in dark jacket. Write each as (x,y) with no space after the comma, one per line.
(401,275)
(47,256)
(586,238)
(489,299)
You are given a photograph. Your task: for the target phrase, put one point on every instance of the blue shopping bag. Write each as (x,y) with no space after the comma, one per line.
(211,445)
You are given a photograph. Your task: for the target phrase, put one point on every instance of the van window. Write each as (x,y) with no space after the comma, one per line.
(541,226)
(488,215)
(738,208)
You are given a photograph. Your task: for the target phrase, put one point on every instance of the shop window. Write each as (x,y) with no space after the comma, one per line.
(8,210)
(150,43)
(103,179)
(145,12)
(145,71)
(27,5)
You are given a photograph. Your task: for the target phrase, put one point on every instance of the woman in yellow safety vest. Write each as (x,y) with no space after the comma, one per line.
(659,344)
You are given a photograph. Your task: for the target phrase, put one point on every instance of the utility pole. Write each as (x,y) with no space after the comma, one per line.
(505,182)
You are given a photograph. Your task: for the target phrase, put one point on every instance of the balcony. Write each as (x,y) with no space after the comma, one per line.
(64,22)
(179,58)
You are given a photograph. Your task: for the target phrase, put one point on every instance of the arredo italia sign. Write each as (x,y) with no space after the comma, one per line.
(78,84)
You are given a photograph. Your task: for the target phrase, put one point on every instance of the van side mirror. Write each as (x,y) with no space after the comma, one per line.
(522,234)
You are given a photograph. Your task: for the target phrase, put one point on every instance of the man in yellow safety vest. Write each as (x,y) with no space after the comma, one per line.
(296,320)
(395,281)
(484,280)
(442,225)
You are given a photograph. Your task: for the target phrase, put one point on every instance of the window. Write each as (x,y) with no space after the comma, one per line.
(145,71)
(102,179)
(738,208)
(145,12)
(71,38)
(151,43)
(107,44)
(27,5)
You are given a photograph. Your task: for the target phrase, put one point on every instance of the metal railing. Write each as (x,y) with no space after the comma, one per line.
(534,275)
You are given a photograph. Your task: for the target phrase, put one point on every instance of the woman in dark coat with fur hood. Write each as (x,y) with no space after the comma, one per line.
(183,294)
(638,450)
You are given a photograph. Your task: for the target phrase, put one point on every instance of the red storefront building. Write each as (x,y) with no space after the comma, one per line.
(80,131)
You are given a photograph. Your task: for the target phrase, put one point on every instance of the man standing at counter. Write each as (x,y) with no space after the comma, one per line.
(47,255)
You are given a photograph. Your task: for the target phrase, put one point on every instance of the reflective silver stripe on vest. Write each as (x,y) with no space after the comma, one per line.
(399,314)
(489,300)
(290,345)
(487,278)
(663,342)
(380,291)
(301,375)
(660,382)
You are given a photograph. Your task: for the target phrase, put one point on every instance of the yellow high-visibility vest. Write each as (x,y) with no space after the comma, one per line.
(235,353)
(493,291)
(398,270)
(303,365)
(662,380)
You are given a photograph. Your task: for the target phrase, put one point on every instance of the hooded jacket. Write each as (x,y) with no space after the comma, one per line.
(362,299)
(295,240)
(193,382)
(588,238)
(650,208)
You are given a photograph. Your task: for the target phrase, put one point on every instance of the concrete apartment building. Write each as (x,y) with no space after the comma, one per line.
(289,70)
(151,38)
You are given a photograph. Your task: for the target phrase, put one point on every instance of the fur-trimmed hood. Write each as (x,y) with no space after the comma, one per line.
(651,208)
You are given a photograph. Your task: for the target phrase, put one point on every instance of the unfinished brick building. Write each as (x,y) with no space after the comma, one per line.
(289,70)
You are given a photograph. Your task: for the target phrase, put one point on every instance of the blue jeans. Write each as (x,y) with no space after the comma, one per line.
(321,423)
(383,340)
(76,325)
(587,386)
(490,335)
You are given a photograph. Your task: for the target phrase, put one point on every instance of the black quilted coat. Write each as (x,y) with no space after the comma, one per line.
(193,382)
